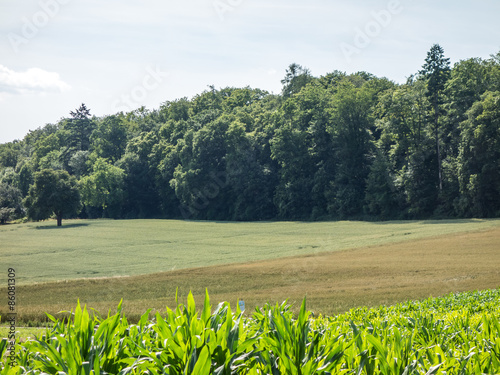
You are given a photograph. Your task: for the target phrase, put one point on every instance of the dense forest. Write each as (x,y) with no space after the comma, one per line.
(339,146)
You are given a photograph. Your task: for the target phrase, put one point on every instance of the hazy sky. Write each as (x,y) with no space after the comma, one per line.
(119,55)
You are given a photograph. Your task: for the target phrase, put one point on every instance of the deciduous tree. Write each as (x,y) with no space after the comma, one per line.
(10,203)
(479,158)
(53,193)
(103,188)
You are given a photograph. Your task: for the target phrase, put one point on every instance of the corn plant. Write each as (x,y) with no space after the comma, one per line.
(458,334)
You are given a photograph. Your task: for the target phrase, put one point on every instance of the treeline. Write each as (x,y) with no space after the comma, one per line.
(337,146)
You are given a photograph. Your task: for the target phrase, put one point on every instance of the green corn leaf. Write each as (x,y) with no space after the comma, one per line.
(203,363)
(191,306)
(205,315)
(51,318)
(144,319)
(433,370)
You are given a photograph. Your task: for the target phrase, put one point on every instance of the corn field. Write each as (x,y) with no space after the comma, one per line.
(456,334)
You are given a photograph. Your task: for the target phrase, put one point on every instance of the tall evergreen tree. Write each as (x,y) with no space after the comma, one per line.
(80,127)
(436,71)
(296,77)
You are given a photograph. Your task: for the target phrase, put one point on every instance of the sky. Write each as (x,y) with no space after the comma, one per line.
(120,55)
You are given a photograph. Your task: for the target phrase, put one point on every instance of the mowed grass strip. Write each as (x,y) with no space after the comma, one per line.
(334,282)
(42,252)
(22,333)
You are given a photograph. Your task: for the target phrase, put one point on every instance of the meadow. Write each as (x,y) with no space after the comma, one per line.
(338,265)
(42,252)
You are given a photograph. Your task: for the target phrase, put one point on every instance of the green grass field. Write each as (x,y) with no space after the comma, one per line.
(42,252)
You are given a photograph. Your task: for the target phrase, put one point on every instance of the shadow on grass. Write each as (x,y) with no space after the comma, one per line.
(429,221)
(64,226)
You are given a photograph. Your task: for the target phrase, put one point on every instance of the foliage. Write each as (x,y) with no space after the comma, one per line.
(479,156)
(456,334)
(382,198)
(336,146)
(53,192)
(296,77)
(79,127)
(109,138)
(104,187)
(10,203)
(436,71)
(351,120)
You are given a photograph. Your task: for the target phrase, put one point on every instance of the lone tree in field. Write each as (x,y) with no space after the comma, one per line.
(53,192)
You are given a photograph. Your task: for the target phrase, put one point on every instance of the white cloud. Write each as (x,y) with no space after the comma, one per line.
(31,81)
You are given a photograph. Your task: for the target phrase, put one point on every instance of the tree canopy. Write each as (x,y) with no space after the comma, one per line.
(53,192)
(339,146)
(11,207)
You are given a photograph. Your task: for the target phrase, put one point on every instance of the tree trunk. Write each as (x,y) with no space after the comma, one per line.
(440,170)
(438,147)
(59,220)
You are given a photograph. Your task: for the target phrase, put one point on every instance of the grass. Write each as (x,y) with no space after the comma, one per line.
(23,333)
(42,252)
(334,281)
